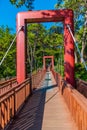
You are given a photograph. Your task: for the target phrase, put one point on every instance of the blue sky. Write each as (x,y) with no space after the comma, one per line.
(8,12)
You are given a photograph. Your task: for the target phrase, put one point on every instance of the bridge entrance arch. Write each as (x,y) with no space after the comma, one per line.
(51,63)
(65,16)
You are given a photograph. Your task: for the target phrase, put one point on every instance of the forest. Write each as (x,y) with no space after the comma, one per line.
(47,41)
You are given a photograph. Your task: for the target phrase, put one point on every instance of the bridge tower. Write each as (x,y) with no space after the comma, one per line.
(52,62)
(65,16)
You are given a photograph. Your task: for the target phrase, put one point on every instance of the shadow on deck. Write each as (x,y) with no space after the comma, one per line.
(31,115)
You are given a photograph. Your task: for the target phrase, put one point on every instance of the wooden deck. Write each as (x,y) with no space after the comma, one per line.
(45,110)
(56,114)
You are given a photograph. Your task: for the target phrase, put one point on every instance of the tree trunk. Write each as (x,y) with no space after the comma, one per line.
(76,58)
(82,51)
(84,37)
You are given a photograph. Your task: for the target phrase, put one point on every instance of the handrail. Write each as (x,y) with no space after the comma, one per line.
(75,101)
(57,77)
(4,86)
(81,86)
(12,89)
(7,81)
(81,81)
(77,105)
(12,100)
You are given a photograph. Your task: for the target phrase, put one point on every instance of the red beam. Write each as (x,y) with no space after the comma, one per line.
(65,16)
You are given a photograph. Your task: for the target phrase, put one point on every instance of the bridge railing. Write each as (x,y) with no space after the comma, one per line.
(37,78)
(8,84)
(57,77)
(77,104)
(75,101)
(81,86)
(13,99)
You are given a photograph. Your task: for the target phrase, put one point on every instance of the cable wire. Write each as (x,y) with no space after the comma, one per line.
(76,46)
(10,46)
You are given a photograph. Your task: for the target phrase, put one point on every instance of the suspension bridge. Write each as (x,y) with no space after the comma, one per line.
(45,100)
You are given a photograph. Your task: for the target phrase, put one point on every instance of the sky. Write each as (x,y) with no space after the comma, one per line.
(8,11)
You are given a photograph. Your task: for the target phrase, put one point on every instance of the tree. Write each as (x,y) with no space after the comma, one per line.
(79,7)
(8,67)
(42,42)
(35,36)
(18,3)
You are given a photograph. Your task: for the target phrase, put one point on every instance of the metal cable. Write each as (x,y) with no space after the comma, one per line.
(10,46)
(76,46)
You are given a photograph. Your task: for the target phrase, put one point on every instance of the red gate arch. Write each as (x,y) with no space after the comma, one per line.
(44,61)
(65,16)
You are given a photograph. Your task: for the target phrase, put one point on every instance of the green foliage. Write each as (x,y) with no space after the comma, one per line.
(43,42)
(8,67)
(60,69)
(80,72)
(18,3)
(78,6)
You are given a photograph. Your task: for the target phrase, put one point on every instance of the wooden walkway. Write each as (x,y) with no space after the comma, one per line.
(45,110)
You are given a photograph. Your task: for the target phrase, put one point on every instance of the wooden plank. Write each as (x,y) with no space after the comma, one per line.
(56,113)
(45,110)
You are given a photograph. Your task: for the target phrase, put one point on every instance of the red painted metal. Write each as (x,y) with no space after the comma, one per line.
(44,61)
(69,51)
(65,16)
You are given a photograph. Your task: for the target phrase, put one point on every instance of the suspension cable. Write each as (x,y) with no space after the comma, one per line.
(19,29)
(76,46)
